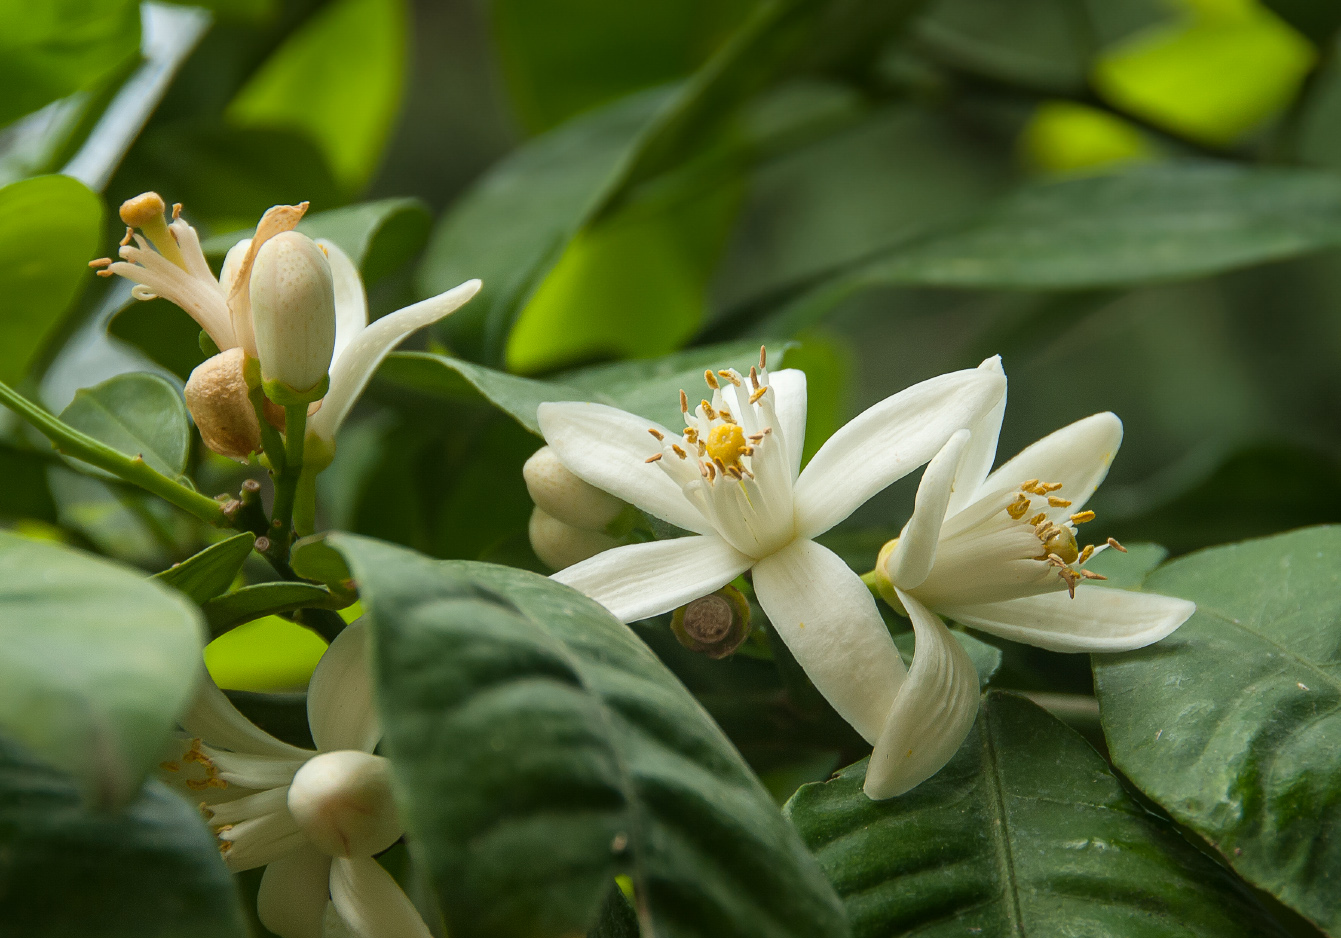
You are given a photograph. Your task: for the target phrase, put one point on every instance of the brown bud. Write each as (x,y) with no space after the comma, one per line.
(216,395)
(715,625)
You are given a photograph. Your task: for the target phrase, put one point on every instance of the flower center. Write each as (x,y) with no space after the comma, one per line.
(1056,534)
(726,444)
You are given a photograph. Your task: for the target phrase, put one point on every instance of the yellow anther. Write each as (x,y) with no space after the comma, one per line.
(684,403)
(176,210)
(708,410)
(100,262)
(709,377)
(127,237)
(1086,554)
(1091,575)
(1017,508)
(1029,485)
(763,358)
(1056,502)
(1081,517)
(757,393)
(652,458)
(754,377)
(1113,543)
(726,444)
(712,471)
(726,415)
(657,433)
(145,212)
(1049,487)
(1038,519)
(675,447)
(729,376)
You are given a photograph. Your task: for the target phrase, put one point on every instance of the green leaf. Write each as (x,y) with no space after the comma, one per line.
(1025,832)
(98,663)
(55,48)
(1231,722)
(542,749)
(378,236)
(210,572)
(617,918)
(338,79)
(255,602)
(1149,224)
(649,389)
(137,414)
(150,870)
(50,227)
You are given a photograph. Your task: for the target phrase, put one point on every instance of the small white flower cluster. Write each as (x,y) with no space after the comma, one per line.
(993,550)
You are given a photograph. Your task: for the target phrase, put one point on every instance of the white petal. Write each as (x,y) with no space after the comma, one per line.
(369,902)
(1078,456)
(976,463)
(641,580)
(218,723)
(887,442)
(933,713)
(239,299)
(915,554)
(789,388)
(294,892)
(608,448)
(351,372)
(829,621)
(351,302)
(340,707)
(1098,619)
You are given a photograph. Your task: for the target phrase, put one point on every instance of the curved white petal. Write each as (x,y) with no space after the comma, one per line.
(294,892)
(641,580)
(351,302)
(829,621)
(608,448)
(218,723)
(887,442)
(1078,456)
(369,902)
(1098,619)
(351,372)
(340,707)
(789,388)
(976,463)
(933,713)
(915,554)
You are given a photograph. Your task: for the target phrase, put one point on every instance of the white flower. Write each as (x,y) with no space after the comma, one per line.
(293,313)
(733,479)
(178,272)
(313,819)
(998,552)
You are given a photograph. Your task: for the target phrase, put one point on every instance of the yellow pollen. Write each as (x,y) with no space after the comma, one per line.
(684,403)
(1056,502)
(1086,554)
(730,377)
(652,458)
(100,262)
(1091,575)
(678,451)
(1017,508)
(757,393)
(1028,485)
(708,410)
(763,358)
(1082,517)
(754,377)
(1049,487)
(656,433)
(176,210)
(726,444)
(709,377)
(1113,543)
(126,238)
(1038,518)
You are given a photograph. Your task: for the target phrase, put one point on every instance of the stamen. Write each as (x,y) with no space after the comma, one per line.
(653,458)
(1091,575)
(758,393)
(712,472)
(1017,508)
(678,451)
(658,434)
(690,434)
(754,377)
(1038,518)
(703,470)
(1056,502)
(734,473)
(1029,485)
(176,210)
(125,239)
(730,377)
(726,416)
(1082,516)
(1087,553)
(709,377)
(684,403)
(1069,575)
(1049,487)
(100,262)
(755,438)
(707,410)
(763,358)
(1056,561)
(1113,543)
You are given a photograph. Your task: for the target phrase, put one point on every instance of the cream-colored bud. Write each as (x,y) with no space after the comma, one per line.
(293,311)
(560,545)
(342,800)
(562,495)
(216,395)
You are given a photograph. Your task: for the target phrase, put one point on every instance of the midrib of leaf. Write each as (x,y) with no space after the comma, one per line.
(1309,666)
(1001,828)
(132,432)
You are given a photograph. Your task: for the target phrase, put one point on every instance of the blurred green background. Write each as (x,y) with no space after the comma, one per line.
(1137,203)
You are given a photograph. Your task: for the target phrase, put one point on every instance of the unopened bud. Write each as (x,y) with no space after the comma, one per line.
(562,495)
(216,395)
(293,316)
(560,545)
(714,625)
(343,802)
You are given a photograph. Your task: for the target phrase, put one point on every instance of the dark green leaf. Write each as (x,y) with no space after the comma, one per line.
(98,663)
(1025,832)
(137,414)
(1231,723)
(264,599)
(542,749)
(149,870)
(1041,44)
(210,572)
(617,918)
(282,714)
(49,231)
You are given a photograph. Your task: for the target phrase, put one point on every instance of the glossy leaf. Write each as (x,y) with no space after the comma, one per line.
(541,749)
(149,870)
(50,227)
(98,663)
(261,599)
(137,414)
(210,572)
(1232,722)
(1025,832)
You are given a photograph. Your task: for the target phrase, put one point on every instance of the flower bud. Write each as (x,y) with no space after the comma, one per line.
(342,800)
(714,625)
(216,395)
(293,316)
(560,545)
(565,497)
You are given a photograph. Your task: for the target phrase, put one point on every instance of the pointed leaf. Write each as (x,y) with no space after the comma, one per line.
(263,599)
(212,571)
(137,414)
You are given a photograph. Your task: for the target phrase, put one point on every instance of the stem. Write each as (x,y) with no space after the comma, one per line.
(96,453)
(288,473)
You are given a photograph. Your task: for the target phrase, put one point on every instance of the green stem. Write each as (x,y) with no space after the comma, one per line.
(96,453)
(287,475)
